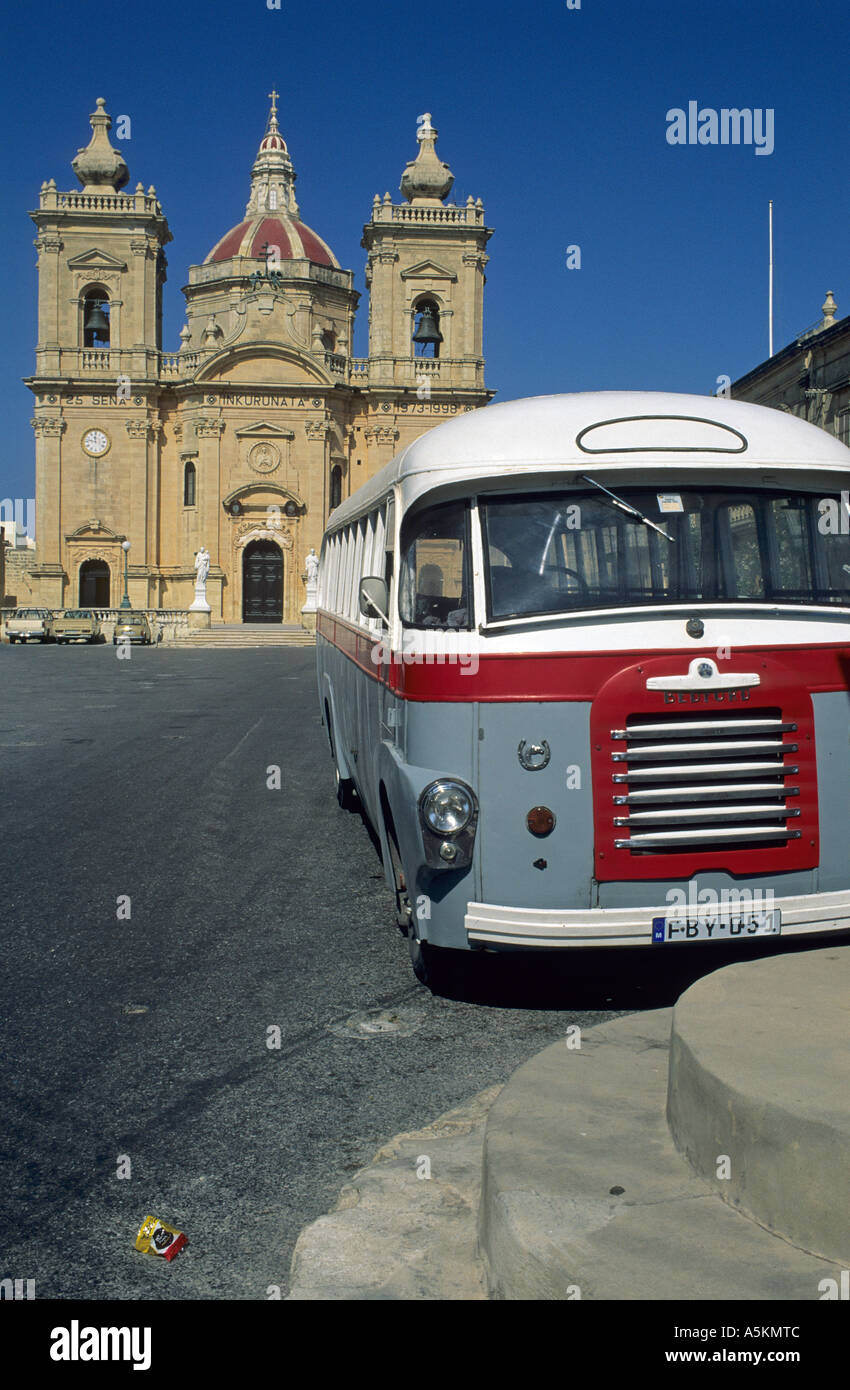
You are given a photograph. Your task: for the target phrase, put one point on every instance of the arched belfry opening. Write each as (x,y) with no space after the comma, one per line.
(97,331)
(426,329)
(94,584)
(262,583)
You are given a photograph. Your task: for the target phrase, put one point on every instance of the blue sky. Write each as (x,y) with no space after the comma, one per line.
(555,117)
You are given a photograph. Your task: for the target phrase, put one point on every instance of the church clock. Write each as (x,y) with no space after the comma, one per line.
(96,443)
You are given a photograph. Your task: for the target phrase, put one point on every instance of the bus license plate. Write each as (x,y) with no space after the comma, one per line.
(724,926)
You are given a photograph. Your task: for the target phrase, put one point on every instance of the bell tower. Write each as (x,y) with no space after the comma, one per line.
(426,279)
(101,269)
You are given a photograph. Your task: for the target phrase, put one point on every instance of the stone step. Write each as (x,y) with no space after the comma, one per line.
(239,636)
(770,1088)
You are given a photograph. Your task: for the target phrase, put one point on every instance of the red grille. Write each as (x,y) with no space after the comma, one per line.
(725,780)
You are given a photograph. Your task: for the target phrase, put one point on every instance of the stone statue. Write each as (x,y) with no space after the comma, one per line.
(202,568)
(200,605)
(311,564)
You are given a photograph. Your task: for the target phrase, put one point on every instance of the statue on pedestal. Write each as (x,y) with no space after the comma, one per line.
(202,569)
(311,564)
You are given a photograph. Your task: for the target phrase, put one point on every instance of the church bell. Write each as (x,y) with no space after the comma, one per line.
(97,323)
(427,332)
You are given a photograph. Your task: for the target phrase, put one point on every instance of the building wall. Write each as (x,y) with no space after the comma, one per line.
(19,588)
(810,377)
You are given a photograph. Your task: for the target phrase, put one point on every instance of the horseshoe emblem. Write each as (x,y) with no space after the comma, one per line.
(534,756)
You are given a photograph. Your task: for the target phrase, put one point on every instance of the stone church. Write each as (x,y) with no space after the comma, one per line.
(246,438)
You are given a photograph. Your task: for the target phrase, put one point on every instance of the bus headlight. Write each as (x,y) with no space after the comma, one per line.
(448,812)
(446,807)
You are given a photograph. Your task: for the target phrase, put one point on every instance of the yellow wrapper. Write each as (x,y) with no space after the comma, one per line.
(156,1238)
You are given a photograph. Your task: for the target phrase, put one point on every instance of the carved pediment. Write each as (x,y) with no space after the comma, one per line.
(256,496)
(263,429)
(246,364)
(428,270)
(94,530)
(95,259)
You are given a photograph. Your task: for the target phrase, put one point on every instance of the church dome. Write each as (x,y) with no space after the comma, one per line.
(294,240)
(271,217)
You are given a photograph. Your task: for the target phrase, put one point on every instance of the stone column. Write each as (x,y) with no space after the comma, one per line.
(309,534)
(208,483)
(49,572)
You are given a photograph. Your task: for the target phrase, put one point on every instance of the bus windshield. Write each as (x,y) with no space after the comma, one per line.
(556,551)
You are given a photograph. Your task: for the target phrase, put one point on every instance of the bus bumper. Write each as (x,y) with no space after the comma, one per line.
(490,925)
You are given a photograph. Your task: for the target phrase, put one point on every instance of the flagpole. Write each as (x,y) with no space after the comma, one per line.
(770,282)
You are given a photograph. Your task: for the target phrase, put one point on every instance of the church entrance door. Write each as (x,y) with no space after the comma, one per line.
(262,583)
(94,584)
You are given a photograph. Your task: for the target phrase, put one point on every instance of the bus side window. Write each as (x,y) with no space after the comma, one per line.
(324,573)
(346,572)
(389,543)
(435,569)
(358,570)
(373,554)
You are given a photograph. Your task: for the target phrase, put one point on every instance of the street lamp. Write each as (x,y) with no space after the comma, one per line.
(125,602)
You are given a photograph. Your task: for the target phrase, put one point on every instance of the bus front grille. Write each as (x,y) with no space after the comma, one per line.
(689,783)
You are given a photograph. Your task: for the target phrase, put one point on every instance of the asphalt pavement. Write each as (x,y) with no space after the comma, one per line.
(164,911)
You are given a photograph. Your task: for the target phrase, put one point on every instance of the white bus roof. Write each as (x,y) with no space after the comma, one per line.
(592,431)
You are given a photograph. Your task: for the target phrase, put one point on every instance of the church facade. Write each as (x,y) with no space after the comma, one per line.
(242,442)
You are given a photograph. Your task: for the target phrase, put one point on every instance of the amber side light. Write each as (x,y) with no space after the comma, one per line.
(540,820)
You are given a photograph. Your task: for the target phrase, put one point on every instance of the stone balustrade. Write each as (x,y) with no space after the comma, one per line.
(469,216)
(99,202)
(167,624)
(181,366)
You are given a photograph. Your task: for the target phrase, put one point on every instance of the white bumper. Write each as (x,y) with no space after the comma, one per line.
(489,925)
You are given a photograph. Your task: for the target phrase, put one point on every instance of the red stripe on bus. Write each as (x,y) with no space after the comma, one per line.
(548,676)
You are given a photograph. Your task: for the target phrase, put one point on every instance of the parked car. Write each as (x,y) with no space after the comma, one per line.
(30,625)
(77,625)
(132,627)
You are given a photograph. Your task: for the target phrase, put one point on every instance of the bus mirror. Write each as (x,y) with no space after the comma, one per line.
(374,598)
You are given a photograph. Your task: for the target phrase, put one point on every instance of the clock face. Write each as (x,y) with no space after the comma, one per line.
(95,442)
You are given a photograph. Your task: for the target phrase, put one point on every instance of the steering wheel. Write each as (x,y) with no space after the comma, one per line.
(582,582)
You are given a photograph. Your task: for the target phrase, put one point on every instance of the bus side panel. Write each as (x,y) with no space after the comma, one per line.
(427,741)
(367,703)
(521,869)
(337,677)
(832,740)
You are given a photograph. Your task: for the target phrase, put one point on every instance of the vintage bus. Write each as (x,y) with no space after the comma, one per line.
(584,661)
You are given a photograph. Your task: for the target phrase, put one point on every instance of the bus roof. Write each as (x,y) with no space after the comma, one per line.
(590,431)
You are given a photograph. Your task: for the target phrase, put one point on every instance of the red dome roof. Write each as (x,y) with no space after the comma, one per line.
(294,240)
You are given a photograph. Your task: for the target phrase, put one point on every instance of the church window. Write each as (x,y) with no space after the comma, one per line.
(336,487)
(189,485)
(272,199)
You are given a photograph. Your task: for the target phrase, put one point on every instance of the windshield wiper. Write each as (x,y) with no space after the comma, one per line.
(625,507)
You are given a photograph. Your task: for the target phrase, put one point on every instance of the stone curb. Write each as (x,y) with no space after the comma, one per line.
(760,1075)
(394,1235)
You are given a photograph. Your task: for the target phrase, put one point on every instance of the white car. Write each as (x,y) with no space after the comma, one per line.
(30,625)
